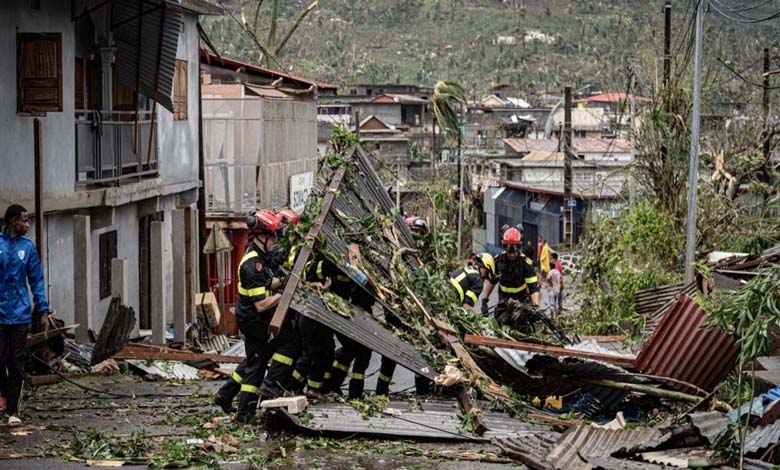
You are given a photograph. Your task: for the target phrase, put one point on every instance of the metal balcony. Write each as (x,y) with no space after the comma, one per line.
(113,146)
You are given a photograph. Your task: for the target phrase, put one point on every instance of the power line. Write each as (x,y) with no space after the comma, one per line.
(740,17)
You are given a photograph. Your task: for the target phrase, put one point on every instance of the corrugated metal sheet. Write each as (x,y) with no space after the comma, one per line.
(147,39)
(679,348)
(649,300)
(363,329)
(654,318)
(752,464)
(434,421)
(762,438)
(613,463)
(583,441)
(678,457)
(709,424)
(530,450)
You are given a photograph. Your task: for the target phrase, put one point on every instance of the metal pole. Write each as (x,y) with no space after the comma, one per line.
(38,151)
(690,239)
(632,129)
(667,42)
(460,195)
(398,185)
(568,212)
(765,112)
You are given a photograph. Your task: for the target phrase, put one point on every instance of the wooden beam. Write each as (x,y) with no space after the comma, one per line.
(470,407)
(162,354)
(303,255)
(557,351)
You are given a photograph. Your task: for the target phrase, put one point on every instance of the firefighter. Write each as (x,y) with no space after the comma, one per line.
(254,310)
(289,219)
(514,273)
(468,281)
(317,344)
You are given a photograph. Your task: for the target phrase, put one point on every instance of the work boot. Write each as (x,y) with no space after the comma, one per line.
(224,403)
(382,387)
(314,394)
(247,407)
(355,389)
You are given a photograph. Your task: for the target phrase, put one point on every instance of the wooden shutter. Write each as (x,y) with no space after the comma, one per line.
(38,72)
(180,90)
(79,83)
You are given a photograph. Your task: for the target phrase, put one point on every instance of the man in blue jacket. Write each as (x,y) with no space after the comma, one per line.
(19,265)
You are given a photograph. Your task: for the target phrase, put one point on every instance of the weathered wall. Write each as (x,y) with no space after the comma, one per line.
(16,132)
(389,113)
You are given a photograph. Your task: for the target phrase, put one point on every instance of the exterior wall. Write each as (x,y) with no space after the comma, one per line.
(389,113)
(531,175)
(58,264)
(600,157)
(16,132)
(178,140)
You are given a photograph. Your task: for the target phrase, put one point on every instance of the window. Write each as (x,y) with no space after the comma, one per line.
(180,91)
(107,252)
(38,72)
(85,84)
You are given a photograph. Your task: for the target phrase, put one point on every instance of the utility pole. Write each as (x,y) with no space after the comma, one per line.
(765,109)
(460,191)
(568,211)
(667,42)
(632,129)
(357,127)
(398,185)
(693,167)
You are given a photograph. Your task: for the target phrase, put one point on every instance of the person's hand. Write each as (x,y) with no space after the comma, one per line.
(40,320)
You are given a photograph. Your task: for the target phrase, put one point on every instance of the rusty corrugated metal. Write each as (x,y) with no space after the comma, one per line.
(614,463)
(682,458)
(680,349)
(583,441)
(649,300)
(653,318)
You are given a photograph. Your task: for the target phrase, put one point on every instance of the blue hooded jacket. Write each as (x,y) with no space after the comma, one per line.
(20,264)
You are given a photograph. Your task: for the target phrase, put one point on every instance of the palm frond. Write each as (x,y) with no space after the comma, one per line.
(443,104)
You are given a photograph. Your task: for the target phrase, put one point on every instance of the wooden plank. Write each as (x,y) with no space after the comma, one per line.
(556,351)
(131,352)
(470,407)
(303,255)
(54,378)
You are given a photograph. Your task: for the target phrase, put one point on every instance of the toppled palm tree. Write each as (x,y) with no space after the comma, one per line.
(447,98)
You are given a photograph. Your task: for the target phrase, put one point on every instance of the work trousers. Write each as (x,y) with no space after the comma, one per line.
(283,350)
(317,350)
(348,352)
(13,340)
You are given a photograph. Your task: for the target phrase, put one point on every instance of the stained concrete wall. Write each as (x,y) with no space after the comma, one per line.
(16,132)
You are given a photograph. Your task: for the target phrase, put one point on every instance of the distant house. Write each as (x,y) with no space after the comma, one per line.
(382,140)
(590,123)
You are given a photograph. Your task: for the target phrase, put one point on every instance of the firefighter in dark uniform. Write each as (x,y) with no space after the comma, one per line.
(254,311)
(350,350)
(317,344)
(286,257)
(515,274)
(468,282)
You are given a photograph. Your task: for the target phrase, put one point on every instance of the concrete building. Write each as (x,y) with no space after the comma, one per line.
(115,90)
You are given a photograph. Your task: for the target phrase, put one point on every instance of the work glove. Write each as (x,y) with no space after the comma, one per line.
(485,307)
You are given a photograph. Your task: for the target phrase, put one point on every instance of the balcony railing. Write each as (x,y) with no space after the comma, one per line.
(113,145)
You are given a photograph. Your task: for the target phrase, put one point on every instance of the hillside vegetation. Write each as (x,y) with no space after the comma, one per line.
(556,42)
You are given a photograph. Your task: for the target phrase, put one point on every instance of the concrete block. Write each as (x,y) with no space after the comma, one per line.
(157,284)
(178,233)
(82,276)
(120,286)
(294,405)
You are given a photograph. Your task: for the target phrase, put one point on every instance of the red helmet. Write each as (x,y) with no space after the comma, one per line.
(511,237)
(289,216)
(263,222)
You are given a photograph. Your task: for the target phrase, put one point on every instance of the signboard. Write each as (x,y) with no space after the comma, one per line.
(300,187)
(571,203)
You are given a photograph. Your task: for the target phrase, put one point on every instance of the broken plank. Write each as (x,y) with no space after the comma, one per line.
(130,352)
(54,378)
(557,351)
(470,407)
(38,338)
(303,255)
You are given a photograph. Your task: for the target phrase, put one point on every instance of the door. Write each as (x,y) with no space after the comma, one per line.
(144,268)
